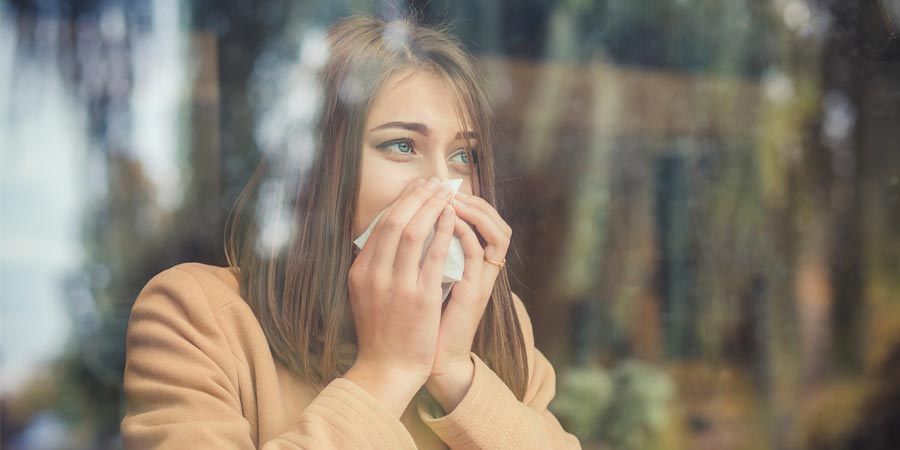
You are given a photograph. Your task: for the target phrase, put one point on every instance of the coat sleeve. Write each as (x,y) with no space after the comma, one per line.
(491,417)
(181,385)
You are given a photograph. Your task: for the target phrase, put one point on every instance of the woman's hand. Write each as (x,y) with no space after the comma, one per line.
(453,367)
(396,304)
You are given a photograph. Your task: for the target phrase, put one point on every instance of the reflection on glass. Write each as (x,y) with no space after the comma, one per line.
(705,197)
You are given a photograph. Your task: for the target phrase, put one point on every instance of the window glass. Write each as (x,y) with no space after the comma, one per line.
(704,197)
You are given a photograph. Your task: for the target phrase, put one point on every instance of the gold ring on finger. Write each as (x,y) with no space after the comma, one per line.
(499,264)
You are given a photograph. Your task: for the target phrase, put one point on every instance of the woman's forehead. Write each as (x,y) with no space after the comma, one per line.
(418,96)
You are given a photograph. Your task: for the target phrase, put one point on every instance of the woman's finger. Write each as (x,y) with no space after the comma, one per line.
(474,253)
(433,266)
(412,240)
(482,205)
(497,239)
(394,221)
(365,257)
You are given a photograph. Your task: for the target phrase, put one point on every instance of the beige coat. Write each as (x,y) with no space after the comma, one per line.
(199,374)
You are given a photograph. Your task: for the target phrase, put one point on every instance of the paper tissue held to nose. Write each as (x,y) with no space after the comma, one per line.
(453,265)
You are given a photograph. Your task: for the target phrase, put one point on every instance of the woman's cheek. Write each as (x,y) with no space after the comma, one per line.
(467,186)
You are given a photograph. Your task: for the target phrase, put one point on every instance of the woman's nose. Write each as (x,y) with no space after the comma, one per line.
(438,170)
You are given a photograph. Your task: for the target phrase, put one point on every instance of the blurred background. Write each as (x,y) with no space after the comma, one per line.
(705,197)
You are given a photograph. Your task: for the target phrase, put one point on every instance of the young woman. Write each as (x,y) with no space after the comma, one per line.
(311,344)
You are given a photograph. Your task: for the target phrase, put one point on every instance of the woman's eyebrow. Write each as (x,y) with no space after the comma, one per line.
(420,128)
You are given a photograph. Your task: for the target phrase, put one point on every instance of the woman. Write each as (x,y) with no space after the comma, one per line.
(311,345)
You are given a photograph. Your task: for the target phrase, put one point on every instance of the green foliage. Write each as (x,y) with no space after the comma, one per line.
(626,408)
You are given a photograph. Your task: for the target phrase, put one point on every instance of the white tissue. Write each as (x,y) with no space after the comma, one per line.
(453,265)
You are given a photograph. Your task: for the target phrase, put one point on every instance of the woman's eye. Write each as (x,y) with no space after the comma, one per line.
(464,157)
(402,146)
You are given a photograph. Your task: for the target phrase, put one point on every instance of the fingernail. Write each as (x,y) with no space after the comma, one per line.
(420,181)
(462,194)
(444,191)
(432,183)
(458,202)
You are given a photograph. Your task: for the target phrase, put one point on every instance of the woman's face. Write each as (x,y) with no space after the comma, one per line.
(412,131)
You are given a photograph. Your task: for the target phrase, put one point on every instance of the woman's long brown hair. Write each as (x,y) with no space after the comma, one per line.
(299,290)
